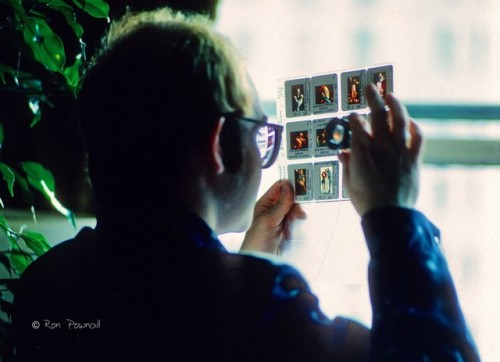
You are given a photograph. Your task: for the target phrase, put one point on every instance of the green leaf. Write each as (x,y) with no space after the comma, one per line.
(36,242)
(5,261)
(73,74)
(26,192)
(11,234)
(19,262)
(36,174)
(95,8)
(30,83)
(67,11)
(2,135)
(3,221)
(34,104)
(47,47)
(3,70)
(8,176)
(4,225)
(42,180)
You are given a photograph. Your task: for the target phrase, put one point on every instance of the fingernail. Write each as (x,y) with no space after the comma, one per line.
(284,189)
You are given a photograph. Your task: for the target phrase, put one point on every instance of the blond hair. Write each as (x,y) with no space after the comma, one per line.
(232,89)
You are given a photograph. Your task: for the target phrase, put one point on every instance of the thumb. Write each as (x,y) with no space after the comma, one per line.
(282,204)
(285,200)
(268,199)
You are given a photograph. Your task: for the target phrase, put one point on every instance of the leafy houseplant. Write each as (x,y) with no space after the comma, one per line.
(42,53)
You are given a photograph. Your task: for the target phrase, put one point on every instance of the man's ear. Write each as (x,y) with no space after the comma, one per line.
(215,147)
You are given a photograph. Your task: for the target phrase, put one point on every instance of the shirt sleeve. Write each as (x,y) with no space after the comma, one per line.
(299,330)
(416,312)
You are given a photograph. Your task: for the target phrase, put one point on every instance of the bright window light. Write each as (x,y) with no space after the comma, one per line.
(444,52)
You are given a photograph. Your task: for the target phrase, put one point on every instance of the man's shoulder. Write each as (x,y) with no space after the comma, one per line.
(62,258)
(262,271)
(55,279)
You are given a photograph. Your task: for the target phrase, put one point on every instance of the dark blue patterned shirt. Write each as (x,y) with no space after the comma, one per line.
(172,292)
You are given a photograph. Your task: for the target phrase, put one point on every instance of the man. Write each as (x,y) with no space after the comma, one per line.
(152,282)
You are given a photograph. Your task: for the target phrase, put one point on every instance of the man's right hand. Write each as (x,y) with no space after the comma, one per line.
(274,216)
(382,167)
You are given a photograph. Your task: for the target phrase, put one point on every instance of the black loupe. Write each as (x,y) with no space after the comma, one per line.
(338,134)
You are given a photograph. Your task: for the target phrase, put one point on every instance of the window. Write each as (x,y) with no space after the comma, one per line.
(445,71)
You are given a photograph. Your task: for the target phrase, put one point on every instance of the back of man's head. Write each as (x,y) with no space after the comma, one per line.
(150,100)
(206,7)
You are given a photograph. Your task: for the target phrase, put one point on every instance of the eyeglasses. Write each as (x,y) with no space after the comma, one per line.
(267,138)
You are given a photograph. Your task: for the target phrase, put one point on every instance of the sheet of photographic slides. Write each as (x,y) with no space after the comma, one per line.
(305,106)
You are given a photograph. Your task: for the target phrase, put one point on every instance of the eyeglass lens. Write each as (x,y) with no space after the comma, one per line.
(266,141)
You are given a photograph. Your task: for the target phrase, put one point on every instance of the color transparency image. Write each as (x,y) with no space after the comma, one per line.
(320,138)
(301,181)
(321,148)
(297,98)
(382,77)
(353,90)
(380,80)
(300,176)
(353,83)
(298,139)
(325,94)
(326,180)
